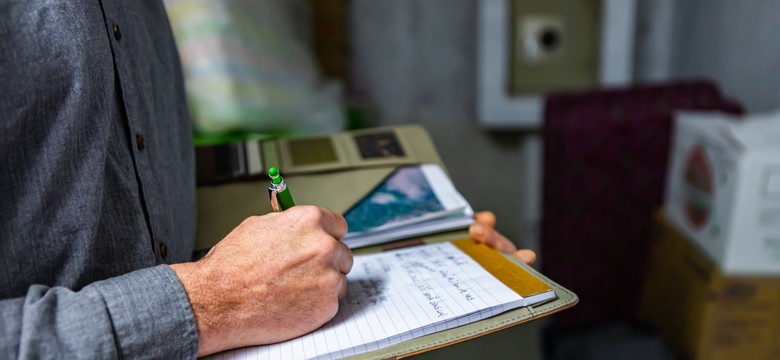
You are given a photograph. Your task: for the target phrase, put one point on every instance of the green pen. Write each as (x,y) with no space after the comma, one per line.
(281,199)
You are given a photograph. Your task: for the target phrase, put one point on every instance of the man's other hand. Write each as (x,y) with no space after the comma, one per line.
(273,278)
(484,230)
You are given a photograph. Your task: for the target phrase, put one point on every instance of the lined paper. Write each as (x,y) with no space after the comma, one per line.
(397,296)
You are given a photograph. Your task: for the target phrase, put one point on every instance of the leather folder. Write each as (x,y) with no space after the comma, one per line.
(335,171)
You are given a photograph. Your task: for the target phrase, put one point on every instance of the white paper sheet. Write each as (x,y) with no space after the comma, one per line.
(397,296)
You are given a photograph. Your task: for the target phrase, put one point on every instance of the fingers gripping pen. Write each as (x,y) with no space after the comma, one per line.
(281,199)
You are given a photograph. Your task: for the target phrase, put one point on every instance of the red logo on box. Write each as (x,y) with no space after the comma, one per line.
(699,188)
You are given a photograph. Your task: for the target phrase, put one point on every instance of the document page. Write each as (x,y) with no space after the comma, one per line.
(412,201)
(397,296)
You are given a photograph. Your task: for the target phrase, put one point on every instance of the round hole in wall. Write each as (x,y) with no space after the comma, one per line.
(550,38)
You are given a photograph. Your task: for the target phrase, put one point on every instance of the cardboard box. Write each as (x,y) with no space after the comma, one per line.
(723,189)
(702,313)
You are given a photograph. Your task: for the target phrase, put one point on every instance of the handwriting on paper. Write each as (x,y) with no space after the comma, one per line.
(397,296)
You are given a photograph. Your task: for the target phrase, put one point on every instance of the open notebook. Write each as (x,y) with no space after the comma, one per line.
(404,294)
(376,320)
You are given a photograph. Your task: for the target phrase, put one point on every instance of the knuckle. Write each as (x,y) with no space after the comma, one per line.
(331,307)
(319,249)
(342,221)
(488,236)
(308,213)
(324,246)
(349,260)
(330,246)
(331,280)
(250,220)
(350,263)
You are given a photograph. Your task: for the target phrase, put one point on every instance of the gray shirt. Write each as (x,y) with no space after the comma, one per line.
(96,182)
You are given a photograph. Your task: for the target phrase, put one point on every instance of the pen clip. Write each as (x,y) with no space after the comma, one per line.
(274,200)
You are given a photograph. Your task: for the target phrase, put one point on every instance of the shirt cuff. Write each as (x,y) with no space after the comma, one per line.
(151,314)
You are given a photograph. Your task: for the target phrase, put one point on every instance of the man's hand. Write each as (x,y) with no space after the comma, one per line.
(484,230)
(273,278)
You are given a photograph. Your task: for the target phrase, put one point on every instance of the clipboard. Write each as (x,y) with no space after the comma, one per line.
(349,165)
(564,299)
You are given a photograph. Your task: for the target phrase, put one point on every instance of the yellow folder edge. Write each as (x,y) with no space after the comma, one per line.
(521,282)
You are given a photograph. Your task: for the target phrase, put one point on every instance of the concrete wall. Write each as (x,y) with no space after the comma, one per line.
(736,43)
(416,61)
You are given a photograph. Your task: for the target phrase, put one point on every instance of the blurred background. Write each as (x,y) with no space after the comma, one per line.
(572,110)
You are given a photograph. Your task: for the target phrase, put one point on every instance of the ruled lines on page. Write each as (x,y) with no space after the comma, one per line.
(397,296)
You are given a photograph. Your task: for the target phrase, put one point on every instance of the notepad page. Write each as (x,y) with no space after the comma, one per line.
(396,296)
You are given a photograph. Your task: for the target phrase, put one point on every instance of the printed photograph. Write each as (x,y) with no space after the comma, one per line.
(404,195)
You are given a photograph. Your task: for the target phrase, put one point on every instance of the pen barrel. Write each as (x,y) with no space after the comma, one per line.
(283,195)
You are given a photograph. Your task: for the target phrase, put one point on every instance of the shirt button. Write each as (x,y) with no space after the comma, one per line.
(139,141)
(117,31)
(163,251)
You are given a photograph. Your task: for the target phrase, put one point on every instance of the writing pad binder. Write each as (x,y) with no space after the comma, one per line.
(349,172)
(564,300)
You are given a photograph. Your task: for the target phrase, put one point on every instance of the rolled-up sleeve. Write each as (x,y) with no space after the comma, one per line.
(143,314)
